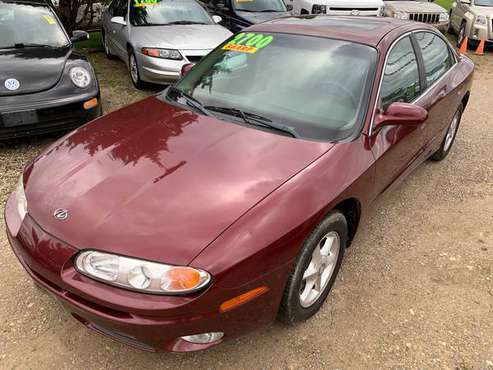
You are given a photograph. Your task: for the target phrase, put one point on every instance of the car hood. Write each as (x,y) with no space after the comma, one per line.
(182,37)
(259,17)
(414,7)
(359,4)
(36,69)
(482,10)
(158,182)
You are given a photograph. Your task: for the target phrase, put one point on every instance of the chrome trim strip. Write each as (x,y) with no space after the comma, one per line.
(370,130)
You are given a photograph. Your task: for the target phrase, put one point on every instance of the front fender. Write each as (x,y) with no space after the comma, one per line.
(271,234)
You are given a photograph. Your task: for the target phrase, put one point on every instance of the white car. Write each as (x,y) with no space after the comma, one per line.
(337,7)
(157,37)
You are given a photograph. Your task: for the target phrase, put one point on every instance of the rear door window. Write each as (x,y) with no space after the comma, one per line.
(437,56)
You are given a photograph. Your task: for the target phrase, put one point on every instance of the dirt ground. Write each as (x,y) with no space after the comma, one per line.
(415,290)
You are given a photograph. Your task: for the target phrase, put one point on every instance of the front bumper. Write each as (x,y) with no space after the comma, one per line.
(166,71)
(148,322)
(482,32)
(49,116)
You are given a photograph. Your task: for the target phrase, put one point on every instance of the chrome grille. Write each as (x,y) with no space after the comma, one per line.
(425,17)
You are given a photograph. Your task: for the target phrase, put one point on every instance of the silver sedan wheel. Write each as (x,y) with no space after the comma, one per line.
(449,138)
(106,46)
(461,36)
(134,73)
(320,269)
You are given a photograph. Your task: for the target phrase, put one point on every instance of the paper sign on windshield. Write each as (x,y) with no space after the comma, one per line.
(248,42)
(49,19)
(144,3)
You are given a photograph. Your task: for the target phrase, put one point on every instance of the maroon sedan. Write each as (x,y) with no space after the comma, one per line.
(228,200)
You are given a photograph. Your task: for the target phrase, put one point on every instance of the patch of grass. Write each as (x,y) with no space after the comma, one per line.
(94,42)
(447,4)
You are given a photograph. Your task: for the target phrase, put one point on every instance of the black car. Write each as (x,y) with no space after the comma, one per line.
(45,85)
(238,14)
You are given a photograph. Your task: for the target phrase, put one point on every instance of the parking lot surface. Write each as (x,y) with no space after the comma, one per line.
(415,290)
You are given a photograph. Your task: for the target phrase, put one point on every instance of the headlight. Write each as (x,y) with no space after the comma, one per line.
(401,15)
(21,199)
(319,9)
(80,77)
(162,53)
(480,19)
(443,17)
(144,276)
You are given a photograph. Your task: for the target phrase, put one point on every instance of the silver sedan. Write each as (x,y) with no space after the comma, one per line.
(157,37)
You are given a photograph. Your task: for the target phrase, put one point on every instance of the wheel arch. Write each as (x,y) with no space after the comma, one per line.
(351,209)
(465,99)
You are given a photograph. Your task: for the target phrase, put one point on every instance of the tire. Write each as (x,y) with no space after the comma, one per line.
(296,304)
(449,138)
(450,29)
(133,70)
(106,47)
(461,34)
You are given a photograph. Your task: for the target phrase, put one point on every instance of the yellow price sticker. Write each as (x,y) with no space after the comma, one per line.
(240,48)
(248,42)
(49,19)
(144,3)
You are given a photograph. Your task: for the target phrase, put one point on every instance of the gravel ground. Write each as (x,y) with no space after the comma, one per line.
(415,290)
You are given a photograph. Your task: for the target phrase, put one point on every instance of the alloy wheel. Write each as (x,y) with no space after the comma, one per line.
(320,269)
(461,35)
(134,73)
(449,137)
(106,46)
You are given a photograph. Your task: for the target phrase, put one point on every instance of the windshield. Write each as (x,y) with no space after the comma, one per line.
(165,12)
(259,5)
(483,2)
(23,25)
(318,87)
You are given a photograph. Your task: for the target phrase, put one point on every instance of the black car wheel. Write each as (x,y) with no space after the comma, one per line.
(133,69)
(461,35)
(106,46)
(315,270)
(449,138)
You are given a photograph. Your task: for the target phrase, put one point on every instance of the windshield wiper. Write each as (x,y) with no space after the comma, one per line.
(190,100)
(255,119)
(270,11)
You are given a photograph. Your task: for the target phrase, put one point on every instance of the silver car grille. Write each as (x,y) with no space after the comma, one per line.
(425,17)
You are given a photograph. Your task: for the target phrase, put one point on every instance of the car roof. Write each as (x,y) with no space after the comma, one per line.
(365,30)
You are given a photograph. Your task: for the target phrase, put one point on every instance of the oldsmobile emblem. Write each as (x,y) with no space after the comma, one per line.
(12,84)
(355,12)
(61,214)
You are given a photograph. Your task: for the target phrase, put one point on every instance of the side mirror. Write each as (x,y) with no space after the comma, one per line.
(401,114)
(289,7)
(78,36)
(186,68)
(119,20)
(217,18)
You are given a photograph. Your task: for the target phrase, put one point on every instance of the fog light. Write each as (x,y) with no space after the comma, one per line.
(203,338)
(91,103)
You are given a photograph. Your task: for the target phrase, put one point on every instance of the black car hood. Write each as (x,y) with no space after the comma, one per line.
(259,17)
(36,68)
